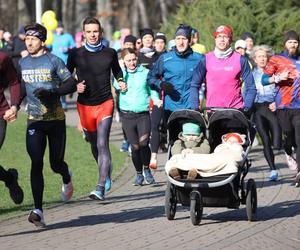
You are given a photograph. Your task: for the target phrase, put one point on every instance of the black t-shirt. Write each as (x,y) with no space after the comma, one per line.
(95,68)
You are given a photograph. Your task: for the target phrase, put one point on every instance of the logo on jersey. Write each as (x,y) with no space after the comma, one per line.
(62,71)
(31,131)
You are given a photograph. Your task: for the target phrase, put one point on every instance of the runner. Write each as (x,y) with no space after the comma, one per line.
(283,70)
(8,113)
(42,73)
(264,115)
(63,42)
(223,92)
(169,75)
(158,137)
(135,115)
(93,63)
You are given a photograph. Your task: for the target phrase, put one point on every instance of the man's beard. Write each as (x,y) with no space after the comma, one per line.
(292,52)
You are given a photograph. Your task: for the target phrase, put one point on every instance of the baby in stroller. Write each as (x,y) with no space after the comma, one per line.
(225,159)
(190,141)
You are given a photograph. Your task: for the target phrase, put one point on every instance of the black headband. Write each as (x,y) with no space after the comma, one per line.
(36,34)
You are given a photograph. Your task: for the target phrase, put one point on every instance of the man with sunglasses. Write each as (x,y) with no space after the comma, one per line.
(224,70)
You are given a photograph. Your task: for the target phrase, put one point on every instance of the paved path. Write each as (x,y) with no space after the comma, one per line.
(133,218)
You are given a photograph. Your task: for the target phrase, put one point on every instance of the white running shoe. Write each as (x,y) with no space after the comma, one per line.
(37,218)
(291,162)
(67,190)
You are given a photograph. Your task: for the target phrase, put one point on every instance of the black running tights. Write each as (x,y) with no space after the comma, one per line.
(36,140)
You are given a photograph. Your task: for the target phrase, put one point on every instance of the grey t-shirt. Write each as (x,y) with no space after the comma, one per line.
(46,71)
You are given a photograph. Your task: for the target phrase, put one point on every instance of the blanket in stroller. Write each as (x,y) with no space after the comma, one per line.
(225,159)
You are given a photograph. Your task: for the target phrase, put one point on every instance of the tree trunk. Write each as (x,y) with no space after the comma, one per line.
(143,13)
(135,18)
(163,8)
(105,13)
(8,17)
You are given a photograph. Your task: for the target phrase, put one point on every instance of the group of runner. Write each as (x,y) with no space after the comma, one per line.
(172,79)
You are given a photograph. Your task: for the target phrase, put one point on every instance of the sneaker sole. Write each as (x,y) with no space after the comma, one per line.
(149,183)
(65,198)
(38,224)
(95,197)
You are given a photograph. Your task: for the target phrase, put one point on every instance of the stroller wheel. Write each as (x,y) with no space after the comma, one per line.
(196,207)
(251,199)
(170,201)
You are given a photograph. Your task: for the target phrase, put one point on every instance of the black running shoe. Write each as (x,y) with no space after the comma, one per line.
(15,191)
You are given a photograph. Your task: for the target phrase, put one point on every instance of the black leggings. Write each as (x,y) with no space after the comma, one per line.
(36,141)
(137,129)
(100,149)
(269,130)
(289,120)
(156,117)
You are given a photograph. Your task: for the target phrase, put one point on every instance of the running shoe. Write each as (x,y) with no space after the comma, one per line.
(98,194)
(273,175)
(108,183)
(139,179)
(37,218)
(15,191)
(291,162)
(67,190)
(149,179)
(124,146)
(297,180)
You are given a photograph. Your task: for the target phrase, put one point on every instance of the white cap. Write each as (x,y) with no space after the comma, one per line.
(240,44)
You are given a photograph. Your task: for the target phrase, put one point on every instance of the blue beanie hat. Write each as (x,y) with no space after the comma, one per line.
(191,128)
(184,30)
(246,35)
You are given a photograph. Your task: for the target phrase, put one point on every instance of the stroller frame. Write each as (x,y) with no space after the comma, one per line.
(217,191)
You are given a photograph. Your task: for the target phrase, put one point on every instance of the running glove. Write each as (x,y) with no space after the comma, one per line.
(167,87)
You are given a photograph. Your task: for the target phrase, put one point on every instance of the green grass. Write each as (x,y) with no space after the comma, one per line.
(78,156)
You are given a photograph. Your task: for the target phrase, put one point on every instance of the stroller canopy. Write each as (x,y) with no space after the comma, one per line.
(177,118)
(224,121)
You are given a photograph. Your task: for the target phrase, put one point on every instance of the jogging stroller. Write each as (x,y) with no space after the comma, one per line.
(225,190)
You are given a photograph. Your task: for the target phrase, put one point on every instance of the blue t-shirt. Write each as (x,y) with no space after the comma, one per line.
(62,44)
(46,71)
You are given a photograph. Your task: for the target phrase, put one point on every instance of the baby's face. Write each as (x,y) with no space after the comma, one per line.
(232,140)
(191,137)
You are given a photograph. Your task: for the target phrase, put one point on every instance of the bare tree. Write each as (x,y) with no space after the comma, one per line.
(105,13)
(163,8)
(143,13)
(135,18)
(8,10)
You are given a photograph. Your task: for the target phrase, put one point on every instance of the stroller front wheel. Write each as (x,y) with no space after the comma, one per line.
(170,201)
(196,207)
(251,199)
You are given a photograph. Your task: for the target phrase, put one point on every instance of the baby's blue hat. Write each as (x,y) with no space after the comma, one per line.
(191,128)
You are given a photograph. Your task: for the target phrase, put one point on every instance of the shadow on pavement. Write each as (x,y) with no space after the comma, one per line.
(124,216)
(280,210)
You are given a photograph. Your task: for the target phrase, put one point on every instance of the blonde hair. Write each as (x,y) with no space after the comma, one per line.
(263,47)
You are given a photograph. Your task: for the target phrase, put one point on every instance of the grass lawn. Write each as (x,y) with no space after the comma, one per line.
(78,156)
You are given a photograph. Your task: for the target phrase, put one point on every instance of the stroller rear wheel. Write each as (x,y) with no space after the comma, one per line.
(170,201)
(251,199)
(196,207)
